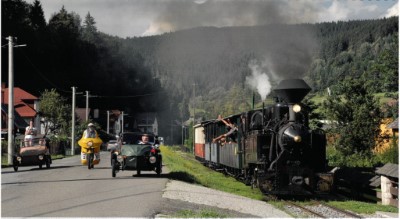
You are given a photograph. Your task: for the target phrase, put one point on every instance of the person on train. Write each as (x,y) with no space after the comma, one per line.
(145,139)
(232,130)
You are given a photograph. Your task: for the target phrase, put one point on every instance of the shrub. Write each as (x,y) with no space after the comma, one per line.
(391,155)
(337,158)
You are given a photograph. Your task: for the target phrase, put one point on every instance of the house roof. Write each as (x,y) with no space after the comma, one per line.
(389,169)
(24,110)
(18,121)
(394,124)
(19,95)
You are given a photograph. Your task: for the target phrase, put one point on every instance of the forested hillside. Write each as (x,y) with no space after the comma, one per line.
(163,72)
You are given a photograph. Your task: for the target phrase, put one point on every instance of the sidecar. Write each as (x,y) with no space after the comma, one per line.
(132,156)
(34,153)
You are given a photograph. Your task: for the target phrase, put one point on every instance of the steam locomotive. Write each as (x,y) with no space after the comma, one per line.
(274,148)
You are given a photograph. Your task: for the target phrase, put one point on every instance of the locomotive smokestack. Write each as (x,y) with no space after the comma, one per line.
(292,90)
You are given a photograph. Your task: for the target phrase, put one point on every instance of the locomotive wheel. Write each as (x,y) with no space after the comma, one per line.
(40,166)
(138,172)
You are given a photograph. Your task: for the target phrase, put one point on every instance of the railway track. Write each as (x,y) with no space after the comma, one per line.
(319,210)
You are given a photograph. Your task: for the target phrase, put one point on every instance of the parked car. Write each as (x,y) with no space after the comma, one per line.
(131,154)
(112,145)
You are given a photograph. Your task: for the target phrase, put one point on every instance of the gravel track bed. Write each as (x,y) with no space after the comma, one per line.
(206,196)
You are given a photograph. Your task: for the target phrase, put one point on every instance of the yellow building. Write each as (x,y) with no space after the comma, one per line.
(389,132)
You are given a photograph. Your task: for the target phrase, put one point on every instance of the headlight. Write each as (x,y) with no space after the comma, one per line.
(90,143)
(152,159)
(296,108)
(120,158)
(297,138)
(40,157)
(19,159)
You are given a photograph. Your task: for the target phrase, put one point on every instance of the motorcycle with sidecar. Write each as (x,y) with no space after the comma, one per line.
(131,154)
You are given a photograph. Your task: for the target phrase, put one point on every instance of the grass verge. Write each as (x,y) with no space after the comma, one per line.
(183,166)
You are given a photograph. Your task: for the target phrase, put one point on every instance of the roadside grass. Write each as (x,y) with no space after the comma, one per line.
(363,207)
(183,166)
(204,213)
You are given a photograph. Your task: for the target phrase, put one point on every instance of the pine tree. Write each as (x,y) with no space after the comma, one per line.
(89,31)
(36,16)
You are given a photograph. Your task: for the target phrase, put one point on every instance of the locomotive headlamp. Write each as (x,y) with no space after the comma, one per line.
(40,157)
(297,138)
(90,143)
(19,159)
(296,108)
(120,158)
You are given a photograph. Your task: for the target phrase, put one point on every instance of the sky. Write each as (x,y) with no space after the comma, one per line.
(130,18)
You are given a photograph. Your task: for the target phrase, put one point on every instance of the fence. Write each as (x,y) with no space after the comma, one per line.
(389,194)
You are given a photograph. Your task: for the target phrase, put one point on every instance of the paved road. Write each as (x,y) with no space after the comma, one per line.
(69,189)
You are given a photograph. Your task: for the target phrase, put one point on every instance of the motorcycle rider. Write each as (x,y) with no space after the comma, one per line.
(90,132)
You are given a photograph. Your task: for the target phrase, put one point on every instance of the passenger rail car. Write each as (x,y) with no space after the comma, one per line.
(274,148)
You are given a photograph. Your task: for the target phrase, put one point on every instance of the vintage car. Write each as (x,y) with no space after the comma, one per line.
(132,154)
(32,152)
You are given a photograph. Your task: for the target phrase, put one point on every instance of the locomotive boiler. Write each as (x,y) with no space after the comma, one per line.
(274,148)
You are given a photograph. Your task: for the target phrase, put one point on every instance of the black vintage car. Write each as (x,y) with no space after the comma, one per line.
(132,154)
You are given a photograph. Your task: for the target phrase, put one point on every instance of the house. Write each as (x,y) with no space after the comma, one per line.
(25,104)
(146,122)
(389,130)
(19,123)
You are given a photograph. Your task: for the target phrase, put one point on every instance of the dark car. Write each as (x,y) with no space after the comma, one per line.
(132,154)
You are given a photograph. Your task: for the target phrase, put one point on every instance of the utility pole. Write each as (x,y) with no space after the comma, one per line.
(108,122)
(10,99)
(73,122)
(182,133)
(10,133)
(87,106)
(122,129)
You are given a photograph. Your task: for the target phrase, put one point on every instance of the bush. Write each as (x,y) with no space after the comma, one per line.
(391,155)
(336,158)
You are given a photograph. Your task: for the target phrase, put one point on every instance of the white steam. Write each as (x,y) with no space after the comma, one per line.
(259,80)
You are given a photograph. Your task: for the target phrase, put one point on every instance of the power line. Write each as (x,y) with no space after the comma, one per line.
(43,77)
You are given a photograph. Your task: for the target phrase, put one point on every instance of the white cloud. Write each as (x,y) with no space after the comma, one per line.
(393,11)
(348,10)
